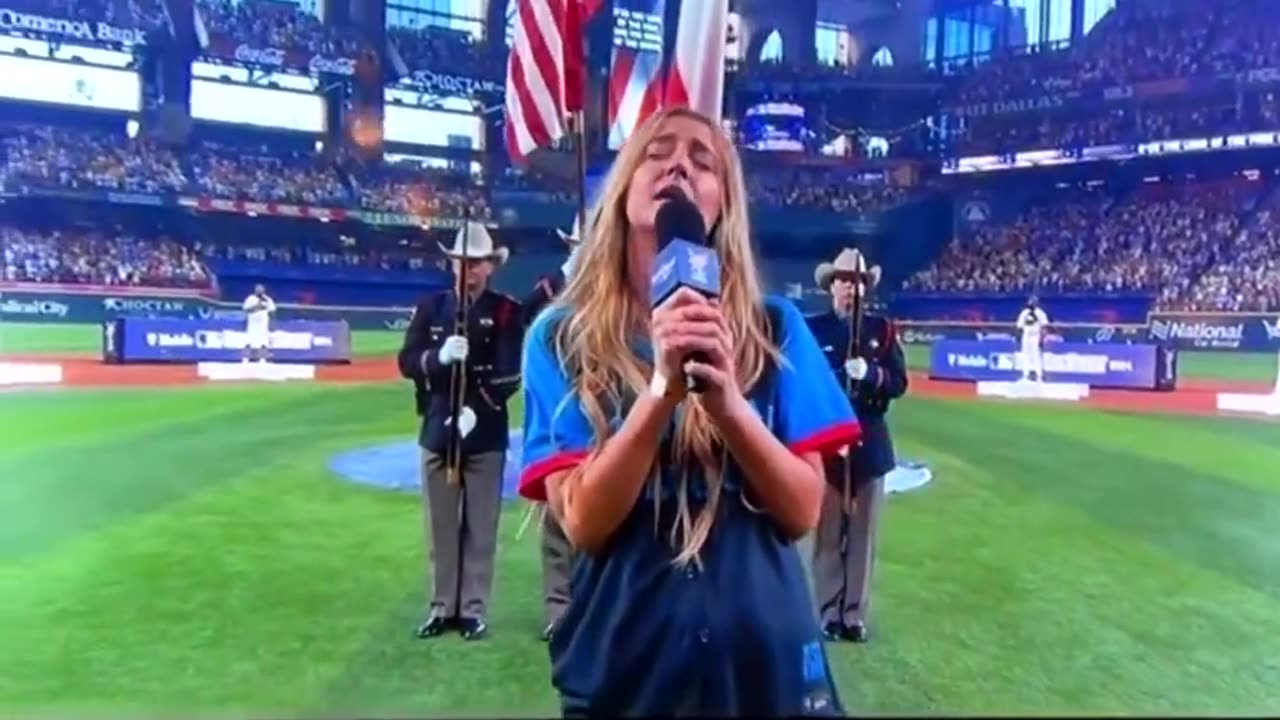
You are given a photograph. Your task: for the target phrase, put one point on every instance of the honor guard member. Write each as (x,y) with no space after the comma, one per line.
(462,518)
(844,543)
(557,554)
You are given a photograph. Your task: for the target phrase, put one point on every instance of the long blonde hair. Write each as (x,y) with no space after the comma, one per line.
(601,317)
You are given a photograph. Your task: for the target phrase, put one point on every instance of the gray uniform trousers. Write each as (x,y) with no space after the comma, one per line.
(557,565)
(842,576)
(466,596)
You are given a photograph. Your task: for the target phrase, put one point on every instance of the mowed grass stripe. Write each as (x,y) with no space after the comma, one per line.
(245,598)
(1239,451)
(1259,430)
(38,421)
(59,493)
(394,673)
(1012,602)
(242,585)
(1223,526)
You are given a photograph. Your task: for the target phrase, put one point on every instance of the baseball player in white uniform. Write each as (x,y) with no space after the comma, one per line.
(258,309)
(1032,321)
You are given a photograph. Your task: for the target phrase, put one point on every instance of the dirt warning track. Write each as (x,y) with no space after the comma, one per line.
(1193,397)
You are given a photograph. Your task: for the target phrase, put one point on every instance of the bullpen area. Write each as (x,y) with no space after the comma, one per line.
(186,544)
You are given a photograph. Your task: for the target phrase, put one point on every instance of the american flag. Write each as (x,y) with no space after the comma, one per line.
(545,72)
(635,75)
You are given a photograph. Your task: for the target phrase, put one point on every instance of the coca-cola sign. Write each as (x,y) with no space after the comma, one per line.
(269,57)
(333,66)
(260,56)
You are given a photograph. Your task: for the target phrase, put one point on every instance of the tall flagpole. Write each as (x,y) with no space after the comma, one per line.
(575,80)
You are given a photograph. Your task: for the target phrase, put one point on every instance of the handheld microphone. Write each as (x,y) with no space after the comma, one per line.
(685,258)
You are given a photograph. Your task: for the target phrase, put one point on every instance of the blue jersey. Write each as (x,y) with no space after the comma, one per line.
(643,636)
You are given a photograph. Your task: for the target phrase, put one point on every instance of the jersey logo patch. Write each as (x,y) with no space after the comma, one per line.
(813,665)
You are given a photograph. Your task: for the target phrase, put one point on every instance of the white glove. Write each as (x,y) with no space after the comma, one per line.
(453,350)
(856,368)
(466,421)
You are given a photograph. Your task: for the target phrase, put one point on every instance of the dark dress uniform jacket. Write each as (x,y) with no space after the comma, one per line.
(493,334)
(737,635)
(886,380)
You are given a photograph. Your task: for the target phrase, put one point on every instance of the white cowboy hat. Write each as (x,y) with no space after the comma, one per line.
(849,261)
(478,242)
(575,237)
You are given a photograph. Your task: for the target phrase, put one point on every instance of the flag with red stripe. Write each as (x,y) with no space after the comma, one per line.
(635,69)
(696,74)
(545,71)
(640,82)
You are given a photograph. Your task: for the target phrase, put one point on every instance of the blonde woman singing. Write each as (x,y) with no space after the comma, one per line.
(688,593)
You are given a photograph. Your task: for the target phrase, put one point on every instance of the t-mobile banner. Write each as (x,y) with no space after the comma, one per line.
(182,340)
(1101,365)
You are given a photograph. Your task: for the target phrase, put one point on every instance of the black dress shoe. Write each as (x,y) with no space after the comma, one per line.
(546,631)
(473,628)
(833,631)
(857,632)
(434,626)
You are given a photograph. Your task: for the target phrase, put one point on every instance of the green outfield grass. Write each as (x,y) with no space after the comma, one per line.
(167,552)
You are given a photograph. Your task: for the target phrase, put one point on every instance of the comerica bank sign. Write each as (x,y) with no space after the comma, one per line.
(12,21)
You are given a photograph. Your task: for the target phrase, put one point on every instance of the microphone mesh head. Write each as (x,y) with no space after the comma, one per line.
(678,217)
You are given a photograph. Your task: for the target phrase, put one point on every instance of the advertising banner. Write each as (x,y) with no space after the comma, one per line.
(1198,331)
(1099,365)
(85,31)
(226,47)
(927,333)
(174,340)
(94,308)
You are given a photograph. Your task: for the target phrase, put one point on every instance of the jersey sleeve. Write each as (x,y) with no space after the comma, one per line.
(813,414)
(557,435)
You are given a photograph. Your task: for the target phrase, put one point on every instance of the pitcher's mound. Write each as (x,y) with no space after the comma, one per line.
(395,466)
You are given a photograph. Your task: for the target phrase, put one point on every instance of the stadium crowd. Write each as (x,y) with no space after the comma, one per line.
(445,50)
(1136,43)
(98,258)
(43,156)
(275,25)
(86,159)
(348,256)
(821,189)
(261,173)
(1196,247)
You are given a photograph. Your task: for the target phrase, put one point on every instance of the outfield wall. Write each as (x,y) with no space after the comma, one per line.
(97,305)
(1248,332)
(1222,332)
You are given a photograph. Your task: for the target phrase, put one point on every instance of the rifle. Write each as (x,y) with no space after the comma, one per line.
(847,500)
(457,396)
(458,372)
